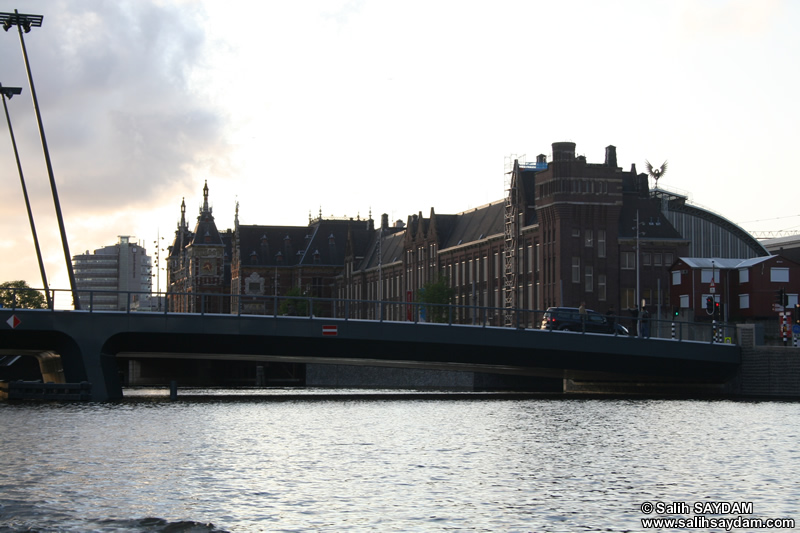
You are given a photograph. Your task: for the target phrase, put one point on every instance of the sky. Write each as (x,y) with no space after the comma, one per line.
(352,107)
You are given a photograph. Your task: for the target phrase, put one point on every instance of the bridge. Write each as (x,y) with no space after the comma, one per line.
(83,346)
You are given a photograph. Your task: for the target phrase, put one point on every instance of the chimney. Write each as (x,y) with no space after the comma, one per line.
(611,156)
(563,151)
(384,221)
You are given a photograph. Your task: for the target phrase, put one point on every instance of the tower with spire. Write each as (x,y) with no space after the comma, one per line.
(197,264)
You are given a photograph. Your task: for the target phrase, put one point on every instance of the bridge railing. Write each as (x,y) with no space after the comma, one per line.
(357,309)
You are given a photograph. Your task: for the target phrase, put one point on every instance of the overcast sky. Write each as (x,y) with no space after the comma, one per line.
(388,106)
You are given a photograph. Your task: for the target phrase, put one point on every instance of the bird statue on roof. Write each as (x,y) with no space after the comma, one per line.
(656,173)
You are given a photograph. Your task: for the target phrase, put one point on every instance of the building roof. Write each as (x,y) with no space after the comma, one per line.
(474,225)
(321,243)
(391,249)
(652,222)
(723,263)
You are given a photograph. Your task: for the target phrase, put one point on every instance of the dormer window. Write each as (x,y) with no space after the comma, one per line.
(316,257)
(331,240)
(253,258)
(279,258)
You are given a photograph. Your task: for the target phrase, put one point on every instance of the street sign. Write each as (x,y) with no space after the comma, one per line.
(712,287)
(777,307)
(331,331)
(13,321)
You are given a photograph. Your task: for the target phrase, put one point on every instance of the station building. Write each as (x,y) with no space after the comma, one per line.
(568,231)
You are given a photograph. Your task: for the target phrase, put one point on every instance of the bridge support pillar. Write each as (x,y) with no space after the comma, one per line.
(98,368)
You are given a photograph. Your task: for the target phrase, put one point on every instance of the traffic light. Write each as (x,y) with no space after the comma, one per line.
(710,304)
(676,312)
(797,314)
(780,297)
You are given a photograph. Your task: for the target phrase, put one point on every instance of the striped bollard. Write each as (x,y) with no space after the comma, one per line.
(673,330)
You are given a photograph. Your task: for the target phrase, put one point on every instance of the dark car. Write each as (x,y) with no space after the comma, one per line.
(569,319)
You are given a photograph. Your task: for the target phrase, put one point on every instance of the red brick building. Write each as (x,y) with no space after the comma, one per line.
(746,289)
(199,264)
(568,231)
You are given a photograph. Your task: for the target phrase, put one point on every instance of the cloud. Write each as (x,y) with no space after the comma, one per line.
(113,82)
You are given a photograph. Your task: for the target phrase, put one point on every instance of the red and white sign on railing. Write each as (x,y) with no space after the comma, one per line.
(331,331)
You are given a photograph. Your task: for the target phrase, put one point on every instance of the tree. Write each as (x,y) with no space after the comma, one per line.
(19,294)
(296,304)
(438,294)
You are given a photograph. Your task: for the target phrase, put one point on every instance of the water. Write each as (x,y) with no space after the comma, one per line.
(277,462)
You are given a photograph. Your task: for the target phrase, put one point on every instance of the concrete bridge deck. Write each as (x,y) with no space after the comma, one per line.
(77,346)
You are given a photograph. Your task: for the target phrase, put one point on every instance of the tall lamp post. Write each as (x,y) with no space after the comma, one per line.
(7,93)
(26,22)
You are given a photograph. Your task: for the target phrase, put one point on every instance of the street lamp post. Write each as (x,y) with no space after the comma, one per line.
(26,22)
(7,93)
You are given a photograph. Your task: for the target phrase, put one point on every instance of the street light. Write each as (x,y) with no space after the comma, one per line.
(26,22)
(8,93)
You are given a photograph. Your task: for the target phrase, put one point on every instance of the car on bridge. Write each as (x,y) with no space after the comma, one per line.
(569,319)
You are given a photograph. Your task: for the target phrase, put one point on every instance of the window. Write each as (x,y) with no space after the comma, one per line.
(657,260)
(705,275)
(576,270)
(780,275)
(646,259)
(601,243)
(676,277)
(589,278)
(601,287)
(668,260)
(744,301)
(588,238)
(684,301)
(530,258)
(627,261)
(576,232)
(628,298)
(744,275)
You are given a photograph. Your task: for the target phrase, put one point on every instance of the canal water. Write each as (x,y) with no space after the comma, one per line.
(337,461)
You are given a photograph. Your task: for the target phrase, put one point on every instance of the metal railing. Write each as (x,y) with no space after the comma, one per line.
(368,310)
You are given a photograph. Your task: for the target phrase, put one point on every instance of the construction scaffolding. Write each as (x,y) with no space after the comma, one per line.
(511,232)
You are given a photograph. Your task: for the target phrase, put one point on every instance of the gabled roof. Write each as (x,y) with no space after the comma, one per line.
(476,224)
(322,243)
(391,249)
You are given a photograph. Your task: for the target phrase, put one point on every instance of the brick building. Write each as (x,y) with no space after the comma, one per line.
(568,231)
(269,261)
(745,289)
(198,263)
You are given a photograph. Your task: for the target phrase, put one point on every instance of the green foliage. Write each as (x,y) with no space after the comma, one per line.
(438,294)
(296,304)
(19,294)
